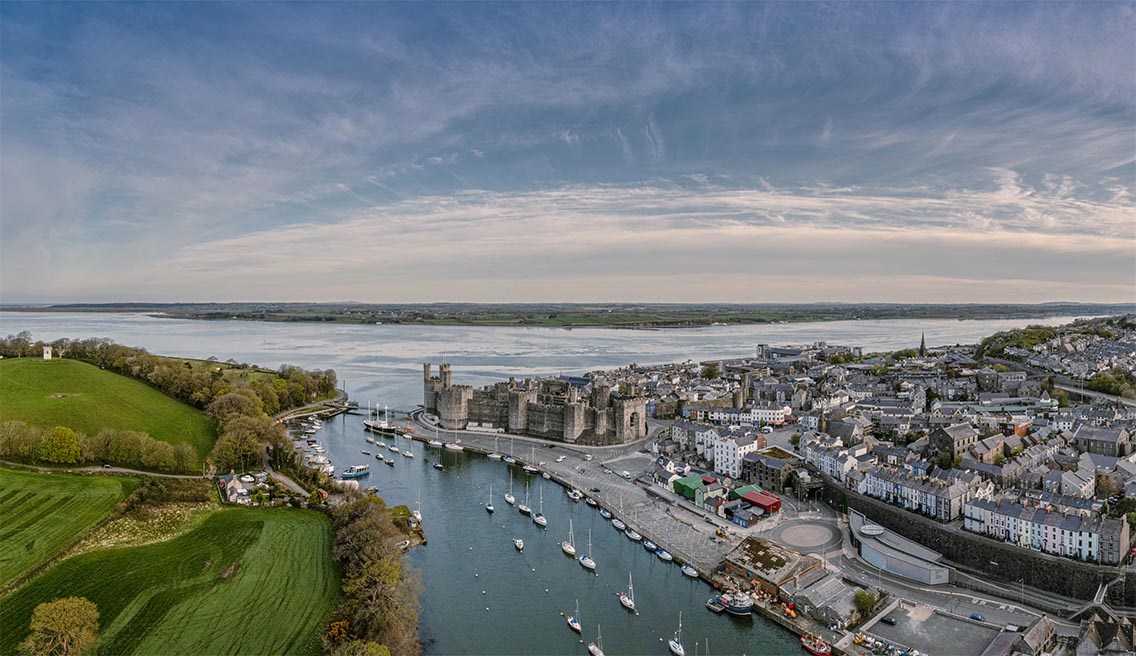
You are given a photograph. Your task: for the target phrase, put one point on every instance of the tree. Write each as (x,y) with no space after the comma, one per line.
(865,601)
(157,455)
(183,456)
(999,460)
(795,439)
(710,371)
(315,499)
(60,446)
(65,626)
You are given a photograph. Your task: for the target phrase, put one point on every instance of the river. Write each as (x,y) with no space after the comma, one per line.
(470,552)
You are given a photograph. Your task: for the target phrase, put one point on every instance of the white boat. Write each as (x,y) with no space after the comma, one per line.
(379,457)
(650,546)
(439,466)
(596,648)
(393,447)
(509,498)
(366,453)
(689,571)
(418,508)
(355,471)
(538,516)
(618,524)
(489,503)
(628,598)
(575,494)
(632,535)
(569,546)
(436,443)
(408,453)
(664,555)
(454,446)
(524,507)
(495,455)
(546,476)
(586,560)
(381,445)
(318,449)
(370,440)
(574,620)
(390,461)
(675,643)
(519,544)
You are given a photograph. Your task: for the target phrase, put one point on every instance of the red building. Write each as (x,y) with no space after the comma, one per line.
(767,502)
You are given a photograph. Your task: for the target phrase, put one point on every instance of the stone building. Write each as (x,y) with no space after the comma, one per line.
(551,408)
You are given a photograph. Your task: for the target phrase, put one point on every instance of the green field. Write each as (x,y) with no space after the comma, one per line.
(247,581)
(41,514)
(85,398)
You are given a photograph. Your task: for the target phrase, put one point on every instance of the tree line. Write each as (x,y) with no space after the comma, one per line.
(62,446)
(378,609)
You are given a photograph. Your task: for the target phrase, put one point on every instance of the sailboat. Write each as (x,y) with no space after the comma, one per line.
(524,507)
(586,560)
(418,508)
(628,598)
(538,516)
(574,620)
(440,466)
(509,498)
(569,546)
(495,455)
(530,467)
(509,458)
(489,503)
(596,648)
(676,642)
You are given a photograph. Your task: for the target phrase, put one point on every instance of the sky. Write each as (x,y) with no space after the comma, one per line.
(750,152)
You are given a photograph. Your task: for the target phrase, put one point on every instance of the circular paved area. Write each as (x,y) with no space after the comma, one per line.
(807,536)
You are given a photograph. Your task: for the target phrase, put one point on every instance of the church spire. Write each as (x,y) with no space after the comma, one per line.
(923,345)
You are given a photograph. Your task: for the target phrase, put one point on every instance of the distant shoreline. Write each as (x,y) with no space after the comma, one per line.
(646,316)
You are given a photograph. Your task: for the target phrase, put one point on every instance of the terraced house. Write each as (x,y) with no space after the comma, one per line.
(940,498)
(1041,527)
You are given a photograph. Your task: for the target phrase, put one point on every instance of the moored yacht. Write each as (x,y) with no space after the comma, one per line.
(628,598)
(568,546)
(596,648)
(618,524)
(538,516)
(519,544)
(489,503)
(574,620)
(664,555)
(586,560)
(675,643)
(509,498)
(632,535)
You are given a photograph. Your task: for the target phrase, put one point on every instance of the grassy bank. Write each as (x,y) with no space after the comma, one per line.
(246,581)
(42,514)
(86,399)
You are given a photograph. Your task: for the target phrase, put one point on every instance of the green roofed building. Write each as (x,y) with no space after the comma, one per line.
(687,486)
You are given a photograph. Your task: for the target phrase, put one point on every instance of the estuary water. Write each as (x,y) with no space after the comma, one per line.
(469,563)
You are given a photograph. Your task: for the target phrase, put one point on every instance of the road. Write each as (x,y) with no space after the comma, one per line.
(109,470)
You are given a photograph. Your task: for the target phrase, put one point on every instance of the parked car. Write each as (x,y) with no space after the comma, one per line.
(588,456)
(106,465)
(888,620)
(626,474)
(977,617)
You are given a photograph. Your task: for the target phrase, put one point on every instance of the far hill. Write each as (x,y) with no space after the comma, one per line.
(86,399)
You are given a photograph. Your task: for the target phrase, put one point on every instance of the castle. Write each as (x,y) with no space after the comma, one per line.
(551,408)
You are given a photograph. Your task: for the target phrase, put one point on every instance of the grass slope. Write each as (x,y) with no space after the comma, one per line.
(41,514)
(247,581)
(85,398)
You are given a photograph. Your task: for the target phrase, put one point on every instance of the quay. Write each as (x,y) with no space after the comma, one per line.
(646,509)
